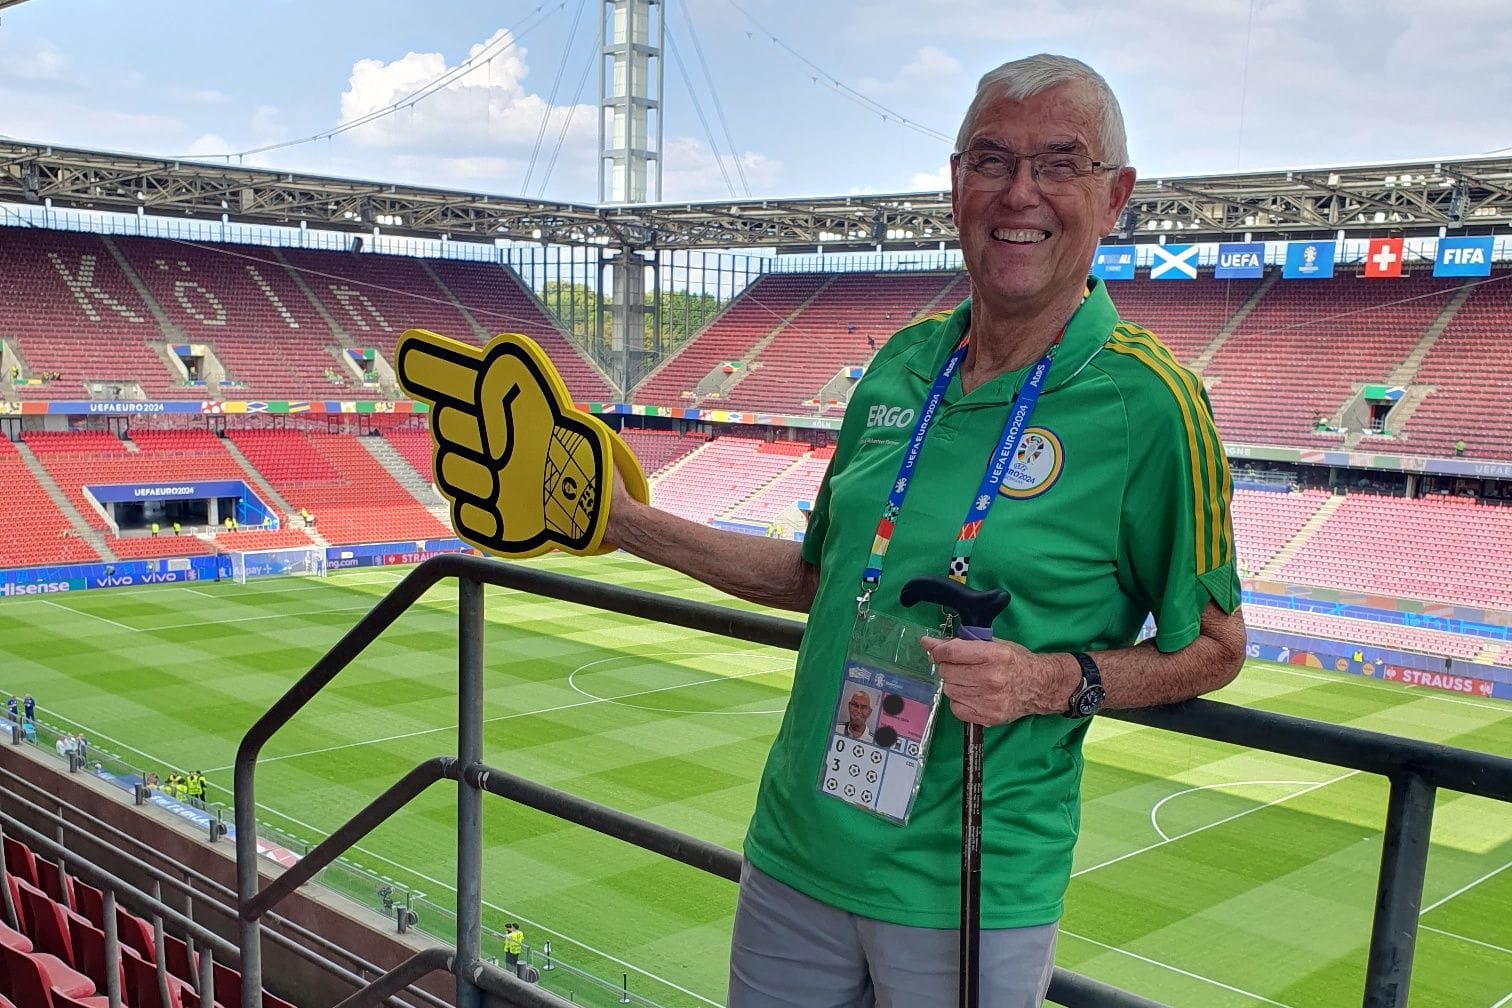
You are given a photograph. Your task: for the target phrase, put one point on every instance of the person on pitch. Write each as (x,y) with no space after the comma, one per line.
(1059,452)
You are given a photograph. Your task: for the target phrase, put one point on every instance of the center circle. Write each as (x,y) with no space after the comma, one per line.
(622,702)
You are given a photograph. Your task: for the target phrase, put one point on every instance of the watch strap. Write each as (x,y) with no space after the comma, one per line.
(1086,699)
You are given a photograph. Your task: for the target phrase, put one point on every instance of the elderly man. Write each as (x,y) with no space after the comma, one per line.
(1056,451)
(857,712)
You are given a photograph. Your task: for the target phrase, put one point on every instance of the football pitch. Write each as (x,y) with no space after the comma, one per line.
(1207,876)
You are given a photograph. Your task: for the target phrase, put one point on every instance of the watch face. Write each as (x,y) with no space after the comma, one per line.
(1089,701)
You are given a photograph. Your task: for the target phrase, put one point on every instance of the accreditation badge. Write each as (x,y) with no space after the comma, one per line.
(889,694)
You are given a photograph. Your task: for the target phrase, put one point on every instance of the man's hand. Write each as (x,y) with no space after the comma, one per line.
(525,471)
(997,682)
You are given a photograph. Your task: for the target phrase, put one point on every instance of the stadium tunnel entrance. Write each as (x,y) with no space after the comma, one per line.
(136,507)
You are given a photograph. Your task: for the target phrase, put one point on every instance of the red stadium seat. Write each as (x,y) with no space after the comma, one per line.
(142,984)
(31,977)
(135,933)
(45,923)
(52,880)
(19,860)
(89,952)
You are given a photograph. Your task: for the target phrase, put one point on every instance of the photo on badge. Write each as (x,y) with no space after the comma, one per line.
(884,709)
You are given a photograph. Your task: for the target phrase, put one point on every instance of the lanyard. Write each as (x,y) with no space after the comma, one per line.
(1020,409)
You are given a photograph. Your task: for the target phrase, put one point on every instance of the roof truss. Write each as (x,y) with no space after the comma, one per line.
(1417,198)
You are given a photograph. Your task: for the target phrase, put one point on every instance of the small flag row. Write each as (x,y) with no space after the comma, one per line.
(1305,260)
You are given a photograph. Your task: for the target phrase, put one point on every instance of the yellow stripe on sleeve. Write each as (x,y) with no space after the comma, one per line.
(1212,529)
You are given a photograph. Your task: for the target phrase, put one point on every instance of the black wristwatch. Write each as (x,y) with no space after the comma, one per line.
(1087,699)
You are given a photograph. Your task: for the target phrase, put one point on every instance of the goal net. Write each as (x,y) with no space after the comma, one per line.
(272,562)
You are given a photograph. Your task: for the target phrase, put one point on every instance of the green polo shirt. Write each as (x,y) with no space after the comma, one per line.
(1117,508)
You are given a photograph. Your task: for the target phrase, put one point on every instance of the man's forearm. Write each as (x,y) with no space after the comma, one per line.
(770,572)
(1145,677)
(998,682)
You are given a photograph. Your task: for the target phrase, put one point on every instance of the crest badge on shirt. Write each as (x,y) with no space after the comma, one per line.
(1037,464)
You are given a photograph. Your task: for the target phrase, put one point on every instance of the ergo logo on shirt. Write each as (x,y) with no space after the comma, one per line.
(889,416)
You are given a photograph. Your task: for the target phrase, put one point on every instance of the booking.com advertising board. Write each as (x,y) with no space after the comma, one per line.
(391,554)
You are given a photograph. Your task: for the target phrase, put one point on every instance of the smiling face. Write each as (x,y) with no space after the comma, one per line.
(1028,250)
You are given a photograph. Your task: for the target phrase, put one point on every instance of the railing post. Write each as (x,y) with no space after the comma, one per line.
(1399,891)
(469,795)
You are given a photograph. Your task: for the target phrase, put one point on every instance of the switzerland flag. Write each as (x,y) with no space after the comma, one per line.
(1384,258)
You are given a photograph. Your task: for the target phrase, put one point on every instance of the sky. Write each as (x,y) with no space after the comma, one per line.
(763,98)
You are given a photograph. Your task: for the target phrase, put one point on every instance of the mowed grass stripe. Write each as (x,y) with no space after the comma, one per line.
(197,667)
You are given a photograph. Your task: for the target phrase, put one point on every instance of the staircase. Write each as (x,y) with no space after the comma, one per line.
(256,479)
(934,306)
(1408,369)
(1304,534)
(59,498)
(342,336)
(1203,359)
(482,334)
(405,474)
(746,362)
(171,332)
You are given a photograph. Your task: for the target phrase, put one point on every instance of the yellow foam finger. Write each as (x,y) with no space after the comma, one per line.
(436,369)
(629,468)
(526,470)
(631,473)
(465,478)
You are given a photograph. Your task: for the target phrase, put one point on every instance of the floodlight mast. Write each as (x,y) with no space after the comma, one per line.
(631,33)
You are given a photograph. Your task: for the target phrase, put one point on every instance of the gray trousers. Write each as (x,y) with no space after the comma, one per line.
(791,950)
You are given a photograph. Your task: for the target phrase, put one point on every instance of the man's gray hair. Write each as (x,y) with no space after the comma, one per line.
(1031,75)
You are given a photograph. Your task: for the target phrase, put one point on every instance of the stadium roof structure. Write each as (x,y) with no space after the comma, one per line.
(1467,195)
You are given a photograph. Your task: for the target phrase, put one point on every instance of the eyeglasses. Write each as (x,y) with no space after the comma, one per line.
(995,170)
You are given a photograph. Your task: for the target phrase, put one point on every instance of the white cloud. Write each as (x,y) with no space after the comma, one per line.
(929,68)
(482,108)
(207,145)
(691,172)
(41,64)
(935,181)
(268,125)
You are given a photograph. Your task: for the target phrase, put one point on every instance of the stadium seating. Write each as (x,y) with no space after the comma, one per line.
(354,499)
(1306,347)
(1471,374)
(77,459)
(1185,315)
(71,309)
(1439,548)
(761,310)
(501,303)
(726,470)
(1386,635)
(831,332)
(800,481)
(243,304)
(415,446)
(47,536)
(656,450)
(57,957)
(374,299)
(105,310)
(32,978)
(1265,521)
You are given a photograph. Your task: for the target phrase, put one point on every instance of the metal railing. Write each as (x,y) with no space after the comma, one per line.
(1416,770)
(177,897)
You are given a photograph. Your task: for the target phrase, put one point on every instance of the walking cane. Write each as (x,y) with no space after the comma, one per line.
(976,610)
